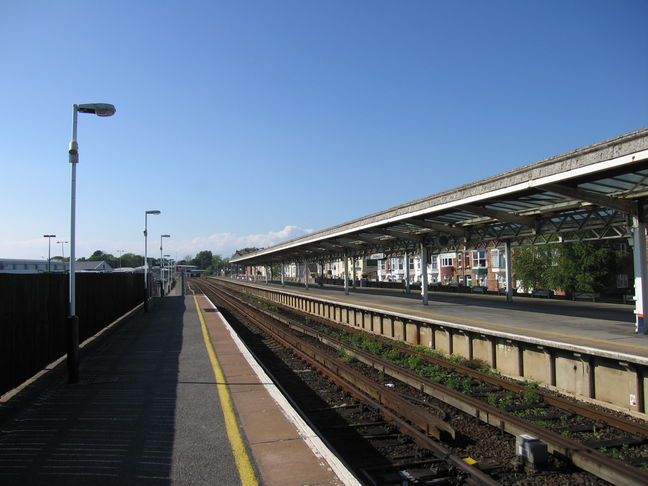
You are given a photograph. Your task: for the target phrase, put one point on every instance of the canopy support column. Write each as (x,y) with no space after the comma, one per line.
(424,276)
(640,282)
(509,273)
(407,272)
(346,273)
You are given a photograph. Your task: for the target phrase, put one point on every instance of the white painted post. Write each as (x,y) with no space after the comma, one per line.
(424,277)
(640,283)
(509,273)
(306,274)
(283,284)
(353,263)
(346,274)
(407,273)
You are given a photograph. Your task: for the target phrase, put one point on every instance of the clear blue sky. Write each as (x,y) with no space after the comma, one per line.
(246,122)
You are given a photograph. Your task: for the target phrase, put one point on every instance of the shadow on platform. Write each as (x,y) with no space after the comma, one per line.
(117,426)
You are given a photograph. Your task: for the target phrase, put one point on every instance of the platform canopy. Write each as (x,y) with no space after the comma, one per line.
(592,193)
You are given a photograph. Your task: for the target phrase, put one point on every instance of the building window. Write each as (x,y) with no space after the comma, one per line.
(446,262)
(495,258)
(435,262)
(498,258)
(479,259)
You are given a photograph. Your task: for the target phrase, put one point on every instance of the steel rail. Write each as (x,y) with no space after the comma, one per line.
(584,457)
(340,373)
(559,402)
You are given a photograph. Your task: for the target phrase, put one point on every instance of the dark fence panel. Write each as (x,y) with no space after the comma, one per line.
(33,309)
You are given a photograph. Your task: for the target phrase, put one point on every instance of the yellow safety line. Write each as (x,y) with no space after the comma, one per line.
(243,463)
(495,324)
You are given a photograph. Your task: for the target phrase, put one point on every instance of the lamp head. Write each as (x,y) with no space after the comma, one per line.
(99,109)
(153,211)
(165,236)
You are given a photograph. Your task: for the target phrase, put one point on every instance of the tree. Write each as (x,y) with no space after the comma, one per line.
(203,259)
(581,265)
(131,260)
(218,263)
(530,266)
(100,256)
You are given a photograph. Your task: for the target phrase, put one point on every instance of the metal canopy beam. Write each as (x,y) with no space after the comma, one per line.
(501,215)
(444,228)
(593,198)
(371,241)
(346,244)
(401,235)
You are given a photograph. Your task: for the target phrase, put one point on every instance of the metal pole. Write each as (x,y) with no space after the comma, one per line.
(424,280)
(346,273)
(640,271)
(161,269)
(509,273)
(146,293)
(407,273)
(72,322)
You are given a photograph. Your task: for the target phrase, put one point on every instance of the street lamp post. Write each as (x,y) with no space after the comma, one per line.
(62,243)
(72,323)
(49,251)
(167,283)
(161,256)
(146,213)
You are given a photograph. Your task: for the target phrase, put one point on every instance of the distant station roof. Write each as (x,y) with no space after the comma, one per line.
(588,194)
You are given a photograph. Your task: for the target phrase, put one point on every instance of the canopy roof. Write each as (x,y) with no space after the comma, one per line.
(588,194)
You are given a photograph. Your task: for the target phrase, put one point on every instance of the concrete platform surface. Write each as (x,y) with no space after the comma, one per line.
(148,411)
(608,327)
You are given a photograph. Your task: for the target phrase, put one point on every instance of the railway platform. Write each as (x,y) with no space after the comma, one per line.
(599,326)
(585,349)
(166,397)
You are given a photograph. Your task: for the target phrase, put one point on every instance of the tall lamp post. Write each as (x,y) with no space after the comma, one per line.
(120,255)
(49,251)
(161,257)
(146,213)
(72,322)
(168,273)
(62,243)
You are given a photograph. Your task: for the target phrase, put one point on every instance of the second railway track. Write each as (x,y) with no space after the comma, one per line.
(421,408)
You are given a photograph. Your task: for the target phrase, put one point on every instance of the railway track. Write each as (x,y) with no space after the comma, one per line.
(507,406)
(380,446)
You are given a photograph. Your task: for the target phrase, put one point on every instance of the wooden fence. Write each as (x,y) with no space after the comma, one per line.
(33,309)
